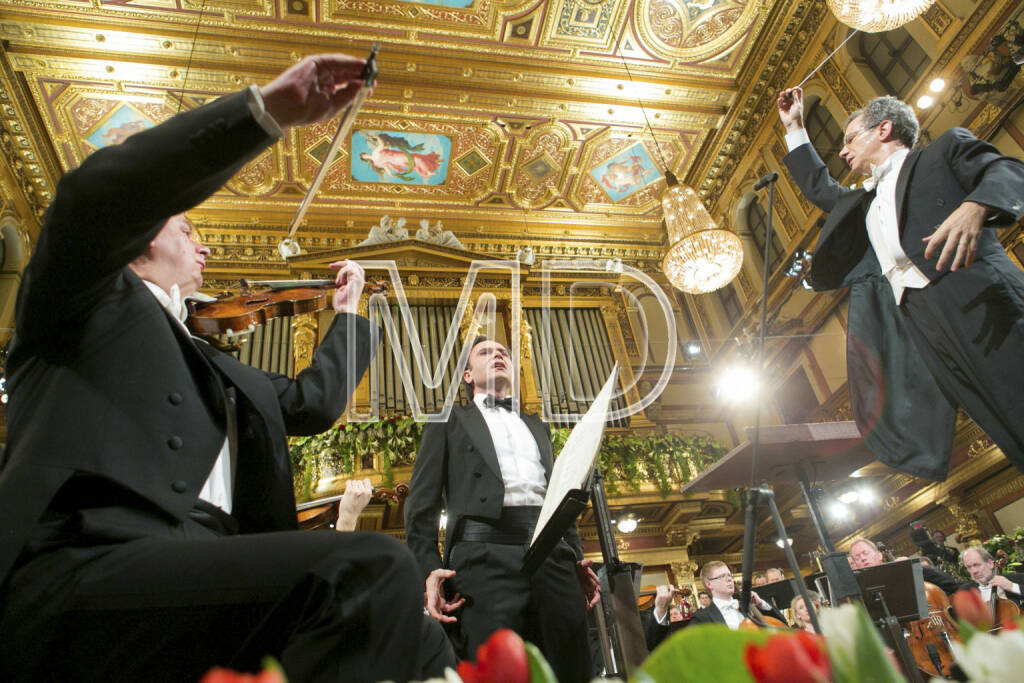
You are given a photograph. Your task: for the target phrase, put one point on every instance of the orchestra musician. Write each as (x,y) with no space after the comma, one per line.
(724,608)
(665,617)
(864,553)
(801,613)
(148,518)
(982,568)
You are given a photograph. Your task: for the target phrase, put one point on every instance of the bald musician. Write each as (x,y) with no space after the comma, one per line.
(864,553)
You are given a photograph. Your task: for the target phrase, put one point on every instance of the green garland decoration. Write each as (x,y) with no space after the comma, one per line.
(667,460)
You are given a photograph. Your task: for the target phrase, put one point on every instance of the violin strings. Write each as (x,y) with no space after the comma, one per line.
(191,51)
(852,33)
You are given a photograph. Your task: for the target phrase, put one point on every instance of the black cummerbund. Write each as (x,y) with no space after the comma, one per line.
(514,527)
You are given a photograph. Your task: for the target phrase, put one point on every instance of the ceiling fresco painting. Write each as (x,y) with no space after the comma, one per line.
(519,123)
(397,157)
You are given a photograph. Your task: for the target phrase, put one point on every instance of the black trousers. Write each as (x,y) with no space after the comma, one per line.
(969,328)
(329,606)
(546,609)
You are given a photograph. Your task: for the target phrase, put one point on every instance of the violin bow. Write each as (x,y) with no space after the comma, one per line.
(288,246)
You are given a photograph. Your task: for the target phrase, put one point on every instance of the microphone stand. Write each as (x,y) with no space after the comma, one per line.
(754,493)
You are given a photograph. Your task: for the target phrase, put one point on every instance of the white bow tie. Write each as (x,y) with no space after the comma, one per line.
(732,604)
(878,174)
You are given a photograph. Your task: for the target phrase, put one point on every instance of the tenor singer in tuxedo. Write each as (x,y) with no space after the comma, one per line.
(488,468)
(936,316)
(147,522)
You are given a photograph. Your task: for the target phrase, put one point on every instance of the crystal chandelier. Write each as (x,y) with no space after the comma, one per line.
(701,257)
(874,16)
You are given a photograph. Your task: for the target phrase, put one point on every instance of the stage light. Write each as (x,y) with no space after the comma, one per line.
(738,383)
(937,85)
(839,512)
(691,349)
(789,541)
(866,496)
(925,101)
(701,257)
(627,525)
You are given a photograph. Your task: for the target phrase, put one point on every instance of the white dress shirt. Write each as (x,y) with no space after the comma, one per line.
(730,609)
(218,487)
(986,592)
(882,221)
(518,455)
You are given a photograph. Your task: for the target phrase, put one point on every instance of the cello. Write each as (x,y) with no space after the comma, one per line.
(929,638)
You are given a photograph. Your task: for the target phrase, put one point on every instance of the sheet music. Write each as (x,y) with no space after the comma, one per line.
(576,461)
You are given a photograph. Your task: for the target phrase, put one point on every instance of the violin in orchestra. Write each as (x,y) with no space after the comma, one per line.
(260,301)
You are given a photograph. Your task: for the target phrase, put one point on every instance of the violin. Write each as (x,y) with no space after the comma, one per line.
(275,298)
(321,513)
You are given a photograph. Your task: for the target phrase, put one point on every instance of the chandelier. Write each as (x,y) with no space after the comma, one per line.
(701,257)
(874,16)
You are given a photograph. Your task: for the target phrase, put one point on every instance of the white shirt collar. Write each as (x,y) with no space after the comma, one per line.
(878,173)
(173,302)
(727,603)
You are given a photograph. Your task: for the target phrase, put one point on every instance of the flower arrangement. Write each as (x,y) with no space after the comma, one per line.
(1012,545)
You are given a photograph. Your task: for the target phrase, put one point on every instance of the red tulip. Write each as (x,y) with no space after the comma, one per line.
(502,659)
(797,657)
(971,608)
(219,675)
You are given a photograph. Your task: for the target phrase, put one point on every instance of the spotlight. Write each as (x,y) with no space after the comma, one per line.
(738,383)
(937,85)
(627,525)
(789,541)
(849,497)
(691,349)
(925,101)
(839,511)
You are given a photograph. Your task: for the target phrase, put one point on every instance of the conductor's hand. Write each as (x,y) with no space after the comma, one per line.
(589,582)
(791,108)
(357,495)
(315,89)
(958,236)
(349,281)
(437,606)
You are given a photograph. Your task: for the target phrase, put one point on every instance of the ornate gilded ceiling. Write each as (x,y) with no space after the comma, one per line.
(515,122)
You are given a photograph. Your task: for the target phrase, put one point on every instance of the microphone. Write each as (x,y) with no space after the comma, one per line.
(766,180)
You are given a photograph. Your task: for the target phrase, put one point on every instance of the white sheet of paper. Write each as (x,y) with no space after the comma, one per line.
(575,462)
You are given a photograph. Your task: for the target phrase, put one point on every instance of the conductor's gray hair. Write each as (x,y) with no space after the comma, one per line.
(888,108)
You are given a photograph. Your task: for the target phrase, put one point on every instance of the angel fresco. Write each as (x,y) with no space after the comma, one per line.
(624,175)
(402,158)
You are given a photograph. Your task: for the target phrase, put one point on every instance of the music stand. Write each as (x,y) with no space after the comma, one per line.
(894,594)
(780,593)
(789,454)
